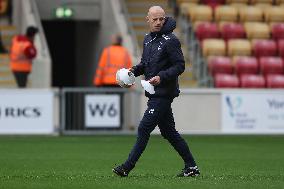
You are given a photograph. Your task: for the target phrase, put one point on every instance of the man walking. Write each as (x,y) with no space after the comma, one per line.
(162,62)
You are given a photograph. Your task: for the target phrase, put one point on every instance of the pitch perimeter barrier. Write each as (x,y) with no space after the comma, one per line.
(99,110)
(29,111)
(118,111)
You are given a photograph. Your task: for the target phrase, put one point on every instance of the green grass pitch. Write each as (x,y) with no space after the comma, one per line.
(34,162)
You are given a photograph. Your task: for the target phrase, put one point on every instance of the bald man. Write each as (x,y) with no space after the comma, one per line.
(161,63)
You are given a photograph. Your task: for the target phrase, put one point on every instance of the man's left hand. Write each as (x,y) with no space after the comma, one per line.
(155,80)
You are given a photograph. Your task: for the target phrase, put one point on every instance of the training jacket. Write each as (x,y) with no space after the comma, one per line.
(162,56)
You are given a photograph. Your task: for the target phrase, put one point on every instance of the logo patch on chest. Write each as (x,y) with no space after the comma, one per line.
(151,111)
(159,47)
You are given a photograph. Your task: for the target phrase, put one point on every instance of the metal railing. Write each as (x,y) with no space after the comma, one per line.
(73,110)
(200,69)
(130,28)
(45,50)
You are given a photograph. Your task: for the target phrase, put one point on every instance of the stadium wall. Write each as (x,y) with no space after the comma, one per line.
(221,111)
(197,111)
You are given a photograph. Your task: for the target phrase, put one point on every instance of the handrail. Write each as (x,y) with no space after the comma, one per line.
(45,50)
(130,28)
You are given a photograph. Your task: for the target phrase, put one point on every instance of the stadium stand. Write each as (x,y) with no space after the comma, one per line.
(274,81)
(271,65)
(220,64)
(248,34)
(239,47)
(207,30)
(213,47)
(226,13)
(277,31)
(226,81)
(245,65)
(252,81)
(232,31)
(281,47)
(6,76)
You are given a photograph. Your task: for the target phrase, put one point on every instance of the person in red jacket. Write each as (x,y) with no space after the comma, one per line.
(22,53)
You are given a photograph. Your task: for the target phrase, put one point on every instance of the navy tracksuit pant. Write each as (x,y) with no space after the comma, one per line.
(159,112)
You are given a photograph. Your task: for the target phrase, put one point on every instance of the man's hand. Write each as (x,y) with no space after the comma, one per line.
(155,80)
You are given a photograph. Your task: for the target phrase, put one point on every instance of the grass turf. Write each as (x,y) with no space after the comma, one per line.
(86,162)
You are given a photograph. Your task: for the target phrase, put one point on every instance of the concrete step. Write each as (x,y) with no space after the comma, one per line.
(5,56)
(7,33)
(4,68)
(138,18)
(6,74)
(8,77)
(8,84)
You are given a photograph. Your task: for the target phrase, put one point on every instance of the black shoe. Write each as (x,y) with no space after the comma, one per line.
(120,171)
(189,172)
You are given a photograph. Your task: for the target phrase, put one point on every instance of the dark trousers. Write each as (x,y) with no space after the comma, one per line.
(21,78)
(159,112)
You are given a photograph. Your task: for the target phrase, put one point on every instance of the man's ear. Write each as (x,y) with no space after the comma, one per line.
(147,19)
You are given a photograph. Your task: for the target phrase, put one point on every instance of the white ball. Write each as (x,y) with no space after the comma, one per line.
(125,78)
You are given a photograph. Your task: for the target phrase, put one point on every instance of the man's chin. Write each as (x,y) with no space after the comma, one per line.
(157,29)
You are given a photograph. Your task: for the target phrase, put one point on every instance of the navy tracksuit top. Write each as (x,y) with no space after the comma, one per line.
(162,56)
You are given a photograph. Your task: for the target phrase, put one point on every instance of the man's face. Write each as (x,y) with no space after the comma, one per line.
(156,20)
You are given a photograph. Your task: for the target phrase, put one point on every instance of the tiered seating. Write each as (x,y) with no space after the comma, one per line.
(245,65)
(242,41)
(232,31)
(252,81)
(220,64)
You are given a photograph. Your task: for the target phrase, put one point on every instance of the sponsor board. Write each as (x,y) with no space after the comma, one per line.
(26,112)
(102,111)
(252,113)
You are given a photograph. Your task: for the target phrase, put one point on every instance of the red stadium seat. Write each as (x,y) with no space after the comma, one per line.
(252,81)
(220,64)
(246,65)
(271,65)
(281,47)
(212,3)
(232,31)
(264,48)
(274,81)
(207,30)
(226,81)
(277,31)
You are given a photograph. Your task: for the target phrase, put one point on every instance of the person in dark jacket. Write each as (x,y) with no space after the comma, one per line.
(161,63)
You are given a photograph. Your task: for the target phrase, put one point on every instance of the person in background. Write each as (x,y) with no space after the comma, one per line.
(112,59)
(22,53)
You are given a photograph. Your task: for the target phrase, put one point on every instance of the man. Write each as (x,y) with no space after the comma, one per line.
(162,62)
(112,59)
(22,53)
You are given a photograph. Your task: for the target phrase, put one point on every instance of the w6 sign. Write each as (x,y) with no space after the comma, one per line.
(102,111)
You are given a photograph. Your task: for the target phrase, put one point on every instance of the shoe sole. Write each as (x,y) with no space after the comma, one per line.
(118,174)
(193,175)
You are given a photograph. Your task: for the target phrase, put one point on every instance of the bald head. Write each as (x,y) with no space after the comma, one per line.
(156,9)
(156,18)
